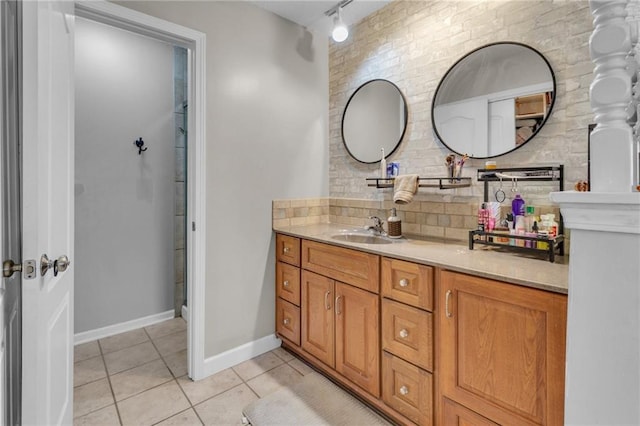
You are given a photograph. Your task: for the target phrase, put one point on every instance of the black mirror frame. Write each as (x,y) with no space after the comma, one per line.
(404,129)
(544,121)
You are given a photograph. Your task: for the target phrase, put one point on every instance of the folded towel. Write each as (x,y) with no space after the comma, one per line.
(404,187)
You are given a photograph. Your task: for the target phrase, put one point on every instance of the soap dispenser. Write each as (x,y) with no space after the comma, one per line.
(395,225)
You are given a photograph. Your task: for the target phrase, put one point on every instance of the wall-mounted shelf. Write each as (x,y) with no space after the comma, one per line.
(441,183)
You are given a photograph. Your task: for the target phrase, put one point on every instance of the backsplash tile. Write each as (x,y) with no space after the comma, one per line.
(426,218)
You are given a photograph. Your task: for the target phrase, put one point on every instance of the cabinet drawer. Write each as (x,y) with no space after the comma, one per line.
(288,321)
(456,414)
(407,332)
(288,282)
(349,266)
(408,282)
(408,389)
(288,249)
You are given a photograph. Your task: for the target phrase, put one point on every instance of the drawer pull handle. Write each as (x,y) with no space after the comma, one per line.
(326,300)
(404,333)
(446,304)
(404,390)
(285,283)
(338,311)
(404,282)
(286,321)
(286,249)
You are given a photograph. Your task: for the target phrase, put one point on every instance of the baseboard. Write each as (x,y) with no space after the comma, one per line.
(185,313)
(99,333)
(240,354)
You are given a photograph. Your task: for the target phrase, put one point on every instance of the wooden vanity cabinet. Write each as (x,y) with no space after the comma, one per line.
(288,288)
(501,352)
(340,328)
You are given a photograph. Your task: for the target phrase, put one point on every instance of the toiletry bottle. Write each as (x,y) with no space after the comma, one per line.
(529,212)
(551,225)
(481,217)
(383,166)
(517,206)
(394,225)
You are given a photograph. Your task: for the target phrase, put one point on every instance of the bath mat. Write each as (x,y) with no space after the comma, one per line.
(315,400)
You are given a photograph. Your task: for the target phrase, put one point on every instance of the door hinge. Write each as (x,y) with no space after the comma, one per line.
(193,226)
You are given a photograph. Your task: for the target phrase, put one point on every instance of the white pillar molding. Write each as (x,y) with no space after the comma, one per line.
(602,385)
(614,152)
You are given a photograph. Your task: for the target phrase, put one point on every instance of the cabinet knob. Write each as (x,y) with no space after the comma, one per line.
(285,283)
(404,282)
(286,321)
(286,249)
(404,390)
(404,333)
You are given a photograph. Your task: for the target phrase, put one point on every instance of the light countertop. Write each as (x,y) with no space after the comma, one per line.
(482,261)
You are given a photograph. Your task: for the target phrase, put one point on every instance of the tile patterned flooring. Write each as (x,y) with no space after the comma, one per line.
(139,378)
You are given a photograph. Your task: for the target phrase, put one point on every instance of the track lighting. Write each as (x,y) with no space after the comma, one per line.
(340,31)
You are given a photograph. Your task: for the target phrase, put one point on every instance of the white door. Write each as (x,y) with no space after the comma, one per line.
(47,170)
(464,121)
(502,127)
(10,216)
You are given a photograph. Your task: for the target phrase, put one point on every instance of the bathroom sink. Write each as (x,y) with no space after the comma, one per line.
(356,237)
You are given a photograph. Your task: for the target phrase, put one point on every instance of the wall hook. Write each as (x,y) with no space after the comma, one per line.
(140,143)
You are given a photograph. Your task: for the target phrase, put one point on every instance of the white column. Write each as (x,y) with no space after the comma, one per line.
(614,153)
(603,322)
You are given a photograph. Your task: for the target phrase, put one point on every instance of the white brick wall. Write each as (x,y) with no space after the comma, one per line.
(413,43)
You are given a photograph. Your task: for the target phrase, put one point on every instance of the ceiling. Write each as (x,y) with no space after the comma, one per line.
(310,13)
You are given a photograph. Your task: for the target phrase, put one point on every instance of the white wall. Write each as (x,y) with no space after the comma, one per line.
(267,109)
(124,201)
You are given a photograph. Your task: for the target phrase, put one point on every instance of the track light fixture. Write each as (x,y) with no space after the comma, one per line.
(340,31)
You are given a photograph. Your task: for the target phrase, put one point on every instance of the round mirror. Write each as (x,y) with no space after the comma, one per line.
(493,100)
(375,117)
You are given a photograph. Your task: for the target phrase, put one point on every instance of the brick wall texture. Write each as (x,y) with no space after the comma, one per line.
(413,44)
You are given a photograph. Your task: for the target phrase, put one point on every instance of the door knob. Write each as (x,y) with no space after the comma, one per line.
(60,264)
(9,267)
(45,264)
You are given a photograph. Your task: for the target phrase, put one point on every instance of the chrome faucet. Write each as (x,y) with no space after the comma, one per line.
(377,225)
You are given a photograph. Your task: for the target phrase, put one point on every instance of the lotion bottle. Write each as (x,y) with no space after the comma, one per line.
(383,166)
(394,225)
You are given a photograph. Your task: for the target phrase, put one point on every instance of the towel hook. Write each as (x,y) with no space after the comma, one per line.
(140,143)
(500,195)
(514,184)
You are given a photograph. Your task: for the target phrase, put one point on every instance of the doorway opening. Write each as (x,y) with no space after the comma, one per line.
(189,278)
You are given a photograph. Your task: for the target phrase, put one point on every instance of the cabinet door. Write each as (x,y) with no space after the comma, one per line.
(318,332)
(456,415)
(357,337)
(502,349)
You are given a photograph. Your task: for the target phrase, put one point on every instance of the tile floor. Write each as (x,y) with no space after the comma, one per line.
(139,378)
